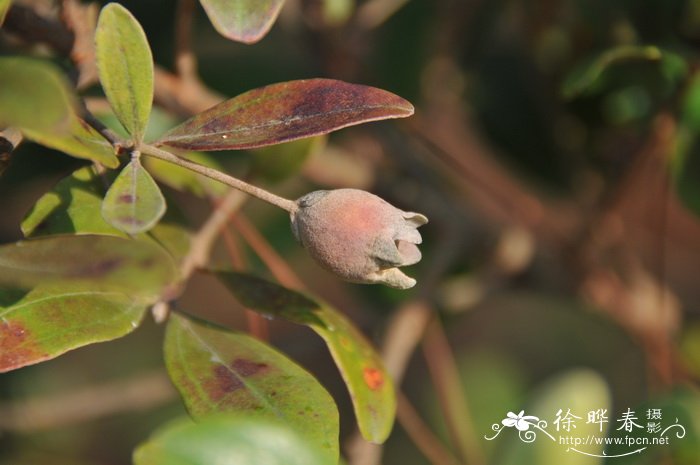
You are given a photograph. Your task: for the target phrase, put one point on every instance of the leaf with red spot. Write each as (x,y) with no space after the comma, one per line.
(50,320)
(105,263)
(221,371)
(284,112)
(244,21)
(370,386)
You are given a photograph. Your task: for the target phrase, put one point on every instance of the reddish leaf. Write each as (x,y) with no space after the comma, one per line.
(283,112)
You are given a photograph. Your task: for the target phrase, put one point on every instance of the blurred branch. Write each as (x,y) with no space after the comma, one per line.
(33,28)
(445,375)
(421,435)
(87,403)
(277,265)
(204,239)
(257,325)
(185,60)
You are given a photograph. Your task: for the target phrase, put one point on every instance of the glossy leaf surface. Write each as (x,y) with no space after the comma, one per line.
(134,202)
(228,440)
(50,320)
(242,20)
(220,371)
(370,386)
(125,67)
(284,112)
(138,268)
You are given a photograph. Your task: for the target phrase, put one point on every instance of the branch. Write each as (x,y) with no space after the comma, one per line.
(141,392)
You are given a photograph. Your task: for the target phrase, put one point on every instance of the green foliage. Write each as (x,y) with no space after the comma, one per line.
(229,440)
(133,203)
(185,180)
(74,206)
(126,67)
(137,268)
(34,95)
(284,112)
(50,320)
(242,20)
(4,6)
(586,77)
(221,371)
(370,386)
(275,163)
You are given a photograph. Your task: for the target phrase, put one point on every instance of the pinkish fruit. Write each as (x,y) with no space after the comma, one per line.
(359,236)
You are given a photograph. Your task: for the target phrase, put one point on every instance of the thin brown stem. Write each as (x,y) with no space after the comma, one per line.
(445,375)
(203,241)
(236,183)
(279,268)
(257,325)
(421,435)
(185,61)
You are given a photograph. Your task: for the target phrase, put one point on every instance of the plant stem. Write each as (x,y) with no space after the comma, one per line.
(236,183)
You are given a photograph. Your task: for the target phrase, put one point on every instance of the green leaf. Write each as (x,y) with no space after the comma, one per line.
(74,204)
(36,98)
(4,7)
(183,179)
(284,112)
(53,319)
(34,95)
(80,141)
(221,371)
(585,77)
(278,162)
(105,262)
(244,21)
(370,386)
(134,202)
(125,67)
(228,440)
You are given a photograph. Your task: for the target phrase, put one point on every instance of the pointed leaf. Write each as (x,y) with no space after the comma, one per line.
(284,112)
(106,262)
(220,371)
(242,20)
(125,66)
(228,440)
(370,386)
(53,319)
(134,202)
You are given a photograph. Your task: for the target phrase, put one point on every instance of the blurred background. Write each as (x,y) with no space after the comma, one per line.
(554,149)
